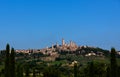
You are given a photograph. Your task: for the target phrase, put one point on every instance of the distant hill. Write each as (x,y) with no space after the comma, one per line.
(93,49)
(84,50)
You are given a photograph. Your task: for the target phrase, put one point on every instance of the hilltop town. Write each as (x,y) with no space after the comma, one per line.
(55,50)
(62,56)
(72,46)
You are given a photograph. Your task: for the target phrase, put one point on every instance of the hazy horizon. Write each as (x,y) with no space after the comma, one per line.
(33,24)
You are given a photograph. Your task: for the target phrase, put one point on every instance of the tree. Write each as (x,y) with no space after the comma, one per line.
(95,69)
(118,72)
(75,70)
(19,71)
(91,69)
(9,62)
(34,72)
(113,63)
(7,65)
(12,63)
(108,72)
(51,72)
(27,70)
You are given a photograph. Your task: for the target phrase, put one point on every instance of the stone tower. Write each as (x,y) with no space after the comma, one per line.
(57,45)
(63,42)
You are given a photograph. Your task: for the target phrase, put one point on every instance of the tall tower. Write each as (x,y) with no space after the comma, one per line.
(63,42)
(70,43)
(57,44)
(52,46)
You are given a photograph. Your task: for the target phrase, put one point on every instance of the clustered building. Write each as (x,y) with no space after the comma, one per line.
(71,46)
(56,48)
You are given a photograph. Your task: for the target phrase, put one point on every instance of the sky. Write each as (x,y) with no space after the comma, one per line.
(35,24)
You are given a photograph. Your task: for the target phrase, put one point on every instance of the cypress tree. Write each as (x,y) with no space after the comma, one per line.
(75,70)
(108,72)
(113,63)
(12,63)
(7,65)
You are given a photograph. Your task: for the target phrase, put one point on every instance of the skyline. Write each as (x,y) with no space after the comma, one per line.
(37,24)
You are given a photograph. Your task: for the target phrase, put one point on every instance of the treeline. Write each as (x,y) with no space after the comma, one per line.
(32,69)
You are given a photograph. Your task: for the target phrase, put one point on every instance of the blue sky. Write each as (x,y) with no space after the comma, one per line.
(39,23)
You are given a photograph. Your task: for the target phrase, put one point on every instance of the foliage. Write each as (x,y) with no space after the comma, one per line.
(113,63)
(51,72)
(12,63)
(95,69)
(31,65)
(7,64)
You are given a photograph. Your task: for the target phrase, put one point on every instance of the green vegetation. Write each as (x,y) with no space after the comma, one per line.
(12,63)
(66,65)
(113,63)
(7,61)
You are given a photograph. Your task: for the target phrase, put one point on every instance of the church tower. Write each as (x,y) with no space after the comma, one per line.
(63,42)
